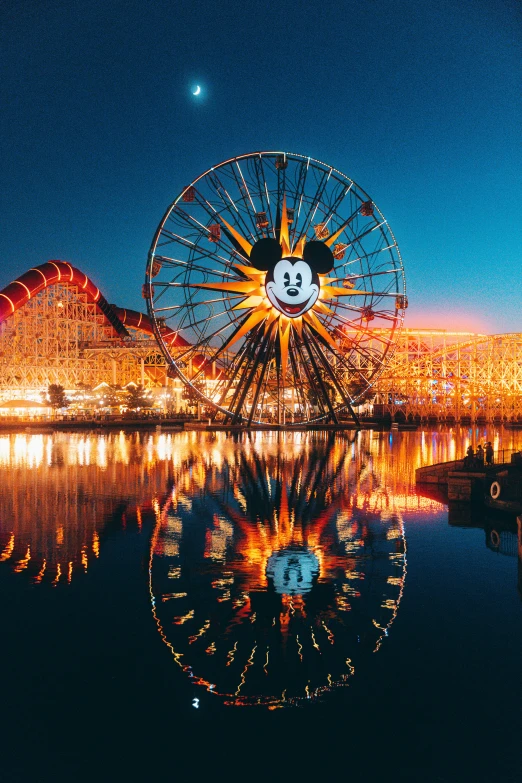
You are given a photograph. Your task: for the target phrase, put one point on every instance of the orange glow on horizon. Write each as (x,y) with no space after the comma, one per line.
(462,321)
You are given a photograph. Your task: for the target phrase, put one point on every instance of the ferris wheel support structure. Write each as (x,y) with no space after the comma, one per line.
(270,268)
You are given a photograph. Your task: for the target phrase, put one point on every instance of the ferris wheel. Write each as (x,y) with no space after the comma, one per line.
(276,290)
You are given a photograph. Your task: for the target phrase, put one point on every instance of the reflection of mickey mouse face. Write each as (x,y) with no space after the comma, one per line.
(292,284)
(292,287)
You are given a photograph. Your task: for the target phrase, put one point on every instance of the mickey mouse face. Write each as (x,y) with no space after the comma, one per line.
(292,284)
(292,287)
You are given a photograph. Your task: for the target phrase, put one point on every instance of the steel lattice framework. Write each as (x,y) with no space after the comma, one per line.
(56,327)
(443,375)
(60,329)
(60,337)
(262,264)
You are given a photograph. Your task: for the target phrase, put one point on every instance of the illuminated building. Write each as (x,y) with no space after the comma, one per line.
(454,376)
(56,327)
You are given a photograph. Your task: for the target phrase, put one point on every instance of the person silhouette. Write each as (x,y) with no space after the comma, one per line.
(489,453)
(479,456)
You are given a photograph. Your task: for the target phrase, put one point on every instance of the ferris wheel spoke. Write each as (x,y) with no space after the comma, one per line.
(196,248)
(328,369)
(365,333)
(249,231)
(345,361)
(361,350)
(223,194)
(367,256)
(299,195)
(264,366)
(227,342)
(262,358)
(299,381)
(376,295)
(340,323)
(205,341)
(281,189)
(357,239)
(204,204)
(373,274)
(192,305)
(199,254)
(182,217)
(207,319)
(333,211)
(315,381)
(235,372)
(315,203)
(266,358)
(374,313)
(247,203)
(223,388)
(253,344)
(246,188)
(263,190)
(181,266)
(235,247)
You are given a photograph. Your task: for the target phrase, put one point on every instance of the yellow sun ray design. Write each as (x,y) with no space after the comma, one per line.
(284,335)
(256,300)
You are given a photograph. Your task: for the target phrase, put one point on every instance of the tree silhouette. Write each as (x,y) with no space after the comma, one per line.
(137,399)
(56,396)
(190,396)
(114,396)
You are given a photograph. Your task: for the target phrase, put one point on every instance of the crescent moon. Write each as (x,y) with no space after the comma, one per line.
(198,90)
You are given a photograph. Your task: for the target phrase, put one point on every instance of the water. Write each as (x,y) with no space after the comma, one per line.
(177,605)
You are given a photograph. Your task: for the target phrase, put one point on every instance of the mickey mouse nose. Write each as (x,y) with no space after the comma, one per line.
(292,291)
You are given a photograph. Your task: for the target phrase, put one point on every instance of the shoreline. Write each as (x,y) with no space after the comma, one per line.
(176,425)
(191,425)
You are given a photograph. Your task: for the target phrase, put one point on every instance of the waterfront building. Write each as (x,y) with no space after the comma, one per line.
(57,328)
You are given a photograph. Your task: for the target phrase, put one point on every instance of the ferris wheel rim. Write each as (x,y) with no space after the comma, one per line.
(397,270)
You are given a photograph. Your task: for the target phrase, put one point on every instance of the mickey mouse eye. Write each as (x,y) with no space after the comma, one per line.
(299,279)
(286,280)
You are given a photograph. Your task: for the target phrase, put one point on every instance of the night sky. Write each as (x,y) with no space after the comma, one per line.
(418,102)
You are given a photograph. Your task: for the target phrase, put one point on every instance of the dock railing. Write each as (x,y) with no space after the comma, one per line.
(503,456)
(500,457)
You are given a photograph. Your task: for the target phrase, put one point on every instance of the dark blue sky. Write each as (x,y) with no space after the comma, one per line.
(418,102)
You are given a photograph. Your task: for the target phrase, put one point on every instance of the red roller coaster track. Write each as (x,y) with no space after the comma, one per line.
(27,286)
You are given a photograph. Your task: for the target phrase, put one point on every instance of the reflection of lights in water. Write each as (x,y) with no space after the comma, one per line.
(292,571)
(290,585)
(58,491)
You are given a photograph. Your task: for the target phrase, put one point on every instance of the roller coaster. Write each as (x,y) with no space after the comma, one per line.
(57,327)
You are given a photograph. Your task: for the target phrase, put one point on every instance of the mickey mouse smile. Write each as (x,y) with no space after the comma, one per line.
(290,299)
(291,282)
(291,310)
(292,286)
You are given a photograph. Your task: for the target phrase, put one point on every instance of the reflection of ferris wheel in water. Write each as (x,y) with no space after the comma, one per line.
(276,289)
(272,575)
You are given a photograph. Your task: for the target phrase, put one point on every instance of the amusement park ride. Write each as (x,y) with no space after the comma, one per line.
(271,267)
(276,296)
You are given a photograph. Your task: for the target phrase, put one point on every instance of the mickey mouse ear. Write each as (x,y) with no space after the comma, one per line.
(319,257)
(265,254)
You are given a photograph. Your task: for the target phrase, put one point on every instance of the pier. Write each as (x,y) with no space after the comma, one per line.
(498,485)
